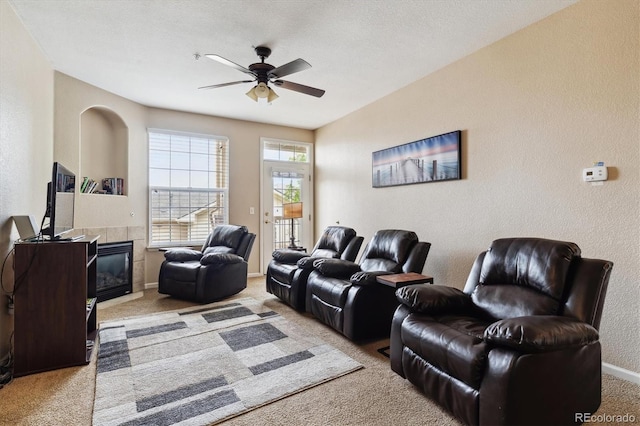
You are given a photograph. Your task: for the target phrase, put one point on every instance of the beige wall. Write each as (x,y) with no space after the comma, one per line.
(26,140)
(535,108)
(73,97)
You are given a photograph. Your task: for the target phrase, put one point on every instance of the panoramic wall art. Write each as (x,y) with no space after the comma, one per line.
(432,159)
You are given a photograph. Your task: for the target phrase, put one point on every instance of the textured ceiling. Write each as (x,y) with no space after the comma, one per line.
(360,50)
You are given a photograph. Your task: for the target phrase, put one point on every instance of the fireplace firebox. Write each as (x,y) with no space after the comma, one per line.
(114,270)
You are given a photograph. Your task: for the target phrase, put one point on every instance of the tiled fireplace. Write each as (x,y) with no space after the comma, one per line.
(115,270)
(118,234)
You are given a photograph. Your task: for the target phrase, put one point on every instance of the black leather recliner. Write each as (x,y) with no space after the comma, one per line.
(519,345)
(347,296)
(288,271)
(219,270)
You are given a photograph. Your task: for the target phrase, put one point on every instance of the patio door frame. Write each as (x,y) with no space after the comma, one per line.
(306,239)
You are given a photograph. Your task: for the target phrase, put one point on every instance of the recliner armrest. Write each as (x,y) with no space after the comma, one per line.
(220,259)
(288,256)
(540,333)
(434,299)
(336,268)
(306,262)
(182,255)
(367,277)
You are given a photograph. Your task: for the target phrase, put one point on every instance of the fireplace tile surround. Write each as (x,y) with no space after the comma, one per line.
(114,234)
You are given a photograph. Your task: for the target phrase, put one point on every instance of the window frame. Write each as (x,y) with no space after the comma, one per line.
(223,192)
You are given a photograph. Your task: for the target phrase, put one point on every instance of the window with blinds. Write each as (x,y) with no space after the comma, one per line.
(188,187)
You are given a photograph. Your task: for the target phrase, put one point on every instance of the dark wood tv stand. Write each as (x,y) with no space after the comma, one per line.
(55,304)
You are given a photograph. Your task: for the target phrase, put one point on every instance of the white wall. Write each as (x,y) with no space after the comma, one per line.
(535,108)
(26,140)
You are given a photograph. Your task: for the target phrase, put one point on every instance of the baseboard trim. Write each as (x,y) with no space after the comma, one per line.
(254,275)
(147,286)
(621,373)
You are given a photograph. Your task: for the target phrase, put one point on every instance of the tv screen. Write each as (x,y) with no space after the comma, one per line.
(60,202)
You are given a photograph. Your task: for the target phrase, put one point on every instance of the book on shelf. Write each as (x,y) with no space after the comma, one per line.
(114,186)
(88,185)
(83,185)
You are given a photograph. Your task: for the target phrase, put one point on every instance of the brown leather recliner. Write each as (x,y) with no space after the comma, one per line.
(347,297)
(219,270)
(519,345)
(288,271)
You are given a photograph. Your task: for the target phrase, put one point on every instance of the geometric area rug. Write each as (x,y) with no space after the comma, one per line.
(205,364)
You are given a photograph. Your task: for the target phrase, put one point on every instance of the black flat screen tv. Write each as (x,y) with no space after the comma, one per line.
(60,202)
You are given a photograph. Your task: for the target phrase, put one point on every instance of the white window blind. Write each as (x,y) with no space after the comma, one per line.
(188,187)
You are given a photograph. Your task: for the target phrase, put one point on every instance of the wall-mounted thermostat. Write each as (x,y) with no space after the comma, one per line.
(594,174)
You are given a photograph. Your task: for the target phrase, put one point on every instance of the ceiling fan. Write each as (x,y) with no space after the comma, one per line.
(264,74)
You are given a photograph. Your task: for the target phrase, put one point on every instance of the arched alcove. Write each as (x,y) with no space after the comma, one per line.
(104,146)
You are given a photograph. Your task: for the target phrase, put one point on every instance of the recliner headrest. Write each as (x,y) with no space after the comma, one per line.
(529,262)
(335,238)
(226,235)
(392,244)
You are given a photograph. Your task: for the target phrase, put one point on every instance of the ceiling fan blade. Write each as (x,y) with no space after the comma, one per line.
(215,86)
(286,69)
(299,88)
(229,63)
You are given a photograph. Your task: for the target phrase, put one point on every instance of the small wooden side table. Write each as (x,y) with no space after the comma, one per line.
(401,280)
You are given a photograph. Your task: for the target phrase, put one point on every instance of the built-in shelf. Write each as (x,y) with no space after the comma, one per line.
(104,147)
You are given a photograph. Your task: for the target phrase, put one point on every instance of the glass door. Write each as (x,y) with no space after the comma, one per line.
(286,201)
(286,210)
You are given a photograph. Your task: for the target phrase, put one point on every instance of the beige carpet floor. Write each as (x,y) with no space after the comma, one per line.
(372,396)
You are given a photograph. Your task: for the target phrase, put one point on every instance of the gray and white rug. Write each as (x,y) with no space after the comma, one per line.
(205,364)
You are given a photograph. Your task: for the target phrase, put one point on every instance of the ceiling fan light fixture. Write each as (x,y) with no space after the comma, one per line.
(252,94)
(272,96)
(262,90)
